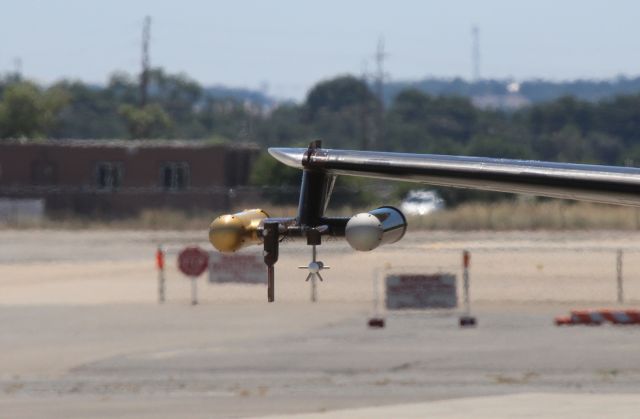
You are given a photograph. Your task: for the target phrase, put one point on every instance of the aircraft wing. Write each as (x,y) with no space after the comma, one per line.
(604,184)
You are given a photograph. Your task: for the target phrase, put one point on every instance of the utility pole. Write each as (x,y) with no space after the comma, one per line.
(17,64)
(475,53)
(379,56)
(144,75)
(365,118)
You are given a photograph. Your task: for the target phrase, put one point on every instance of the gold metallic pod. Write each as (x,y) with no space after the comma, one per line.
(231,232)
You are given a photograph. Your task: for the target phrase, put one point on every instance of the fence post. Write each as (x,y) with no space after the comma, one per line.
(466,258)
(619,276)
(377,320)
(161,279)
(376,291)
(466,320)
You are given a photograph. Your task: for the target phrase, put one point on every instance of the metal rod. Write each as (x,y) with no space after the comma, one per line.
(194,291)
(465,277)
(161,280)
(376,295)
(619,276)
(270,284)
(314,289)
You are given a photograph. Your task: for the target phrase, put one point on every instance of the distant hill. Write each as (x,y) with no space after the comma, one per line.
(245,95)
(508,94)
(500,94)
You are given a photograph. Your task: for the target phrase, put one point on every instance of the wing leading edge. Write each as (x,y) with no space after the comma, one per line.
(604,184)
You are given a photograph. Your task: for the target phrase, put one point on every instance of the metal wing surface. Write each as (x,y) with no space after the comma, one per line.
(604,184)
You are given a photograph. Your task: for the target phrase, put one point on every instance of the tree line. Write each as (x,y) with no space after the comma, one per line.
(535,91)
(343,112)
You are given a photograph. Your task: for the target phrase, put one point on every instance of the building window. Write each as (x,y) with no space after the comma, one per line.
(175,176)
(109,175)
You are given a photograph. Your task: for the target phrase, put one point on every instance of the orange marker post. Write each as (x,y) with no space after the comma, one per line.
(161,279)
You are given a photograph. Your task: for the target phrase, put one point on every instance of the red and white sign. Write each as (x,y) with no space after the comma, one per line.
(193,261)
(245,268)
(598,317)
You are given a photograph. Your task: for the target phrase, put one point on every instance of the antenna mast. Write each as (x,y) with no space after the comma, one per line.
(144,75)
(379,56)
(475,52)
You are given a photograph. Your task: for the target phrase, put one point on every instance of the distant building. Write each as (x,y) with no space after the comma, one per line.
(511,101)
(117,177)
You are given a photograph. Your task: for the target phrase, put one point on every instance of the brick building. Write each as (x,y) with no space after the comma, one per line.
(114,177)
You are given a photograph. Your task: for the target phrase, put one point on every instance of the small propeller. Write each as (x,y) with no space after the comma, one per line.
(315,266)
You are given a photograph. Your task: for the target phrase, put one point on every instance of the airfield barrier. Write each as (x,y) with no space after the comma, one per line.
(600,316)
(546,272)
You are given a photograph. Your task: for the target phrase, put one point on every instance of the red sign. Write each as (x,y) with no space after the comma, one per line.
(193,261)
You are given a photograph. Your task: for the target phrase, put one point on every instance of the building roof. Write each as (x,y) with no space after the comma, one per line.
(120,143)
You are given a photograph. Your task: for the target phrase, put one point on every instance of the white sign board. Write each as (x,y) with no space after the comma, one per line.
(239,268)
(407,291)
(16,210)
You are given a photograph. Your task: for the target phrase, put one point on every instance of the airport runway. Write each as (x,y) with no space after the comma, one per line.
(236,360)
(81,336)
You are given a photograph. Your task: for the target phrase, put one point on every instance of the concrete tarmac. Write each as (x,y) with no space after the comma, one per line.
(237,360)
(526,405)
(81,334)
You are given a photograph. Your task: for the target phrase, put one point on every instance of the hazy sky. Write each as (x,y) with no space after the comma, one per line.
(291,44)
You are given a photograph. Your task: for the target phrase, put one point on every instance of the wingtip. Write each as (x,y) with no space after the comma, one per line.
(290,156)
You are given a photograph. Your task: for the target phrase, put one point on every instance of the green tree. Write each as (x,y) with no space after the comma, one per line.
(91,112)
(620,118)
(28,112)
(419,122)
(341,111)
(148,122)
(179,97)
(336,95)
(280,181)
(283,127)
